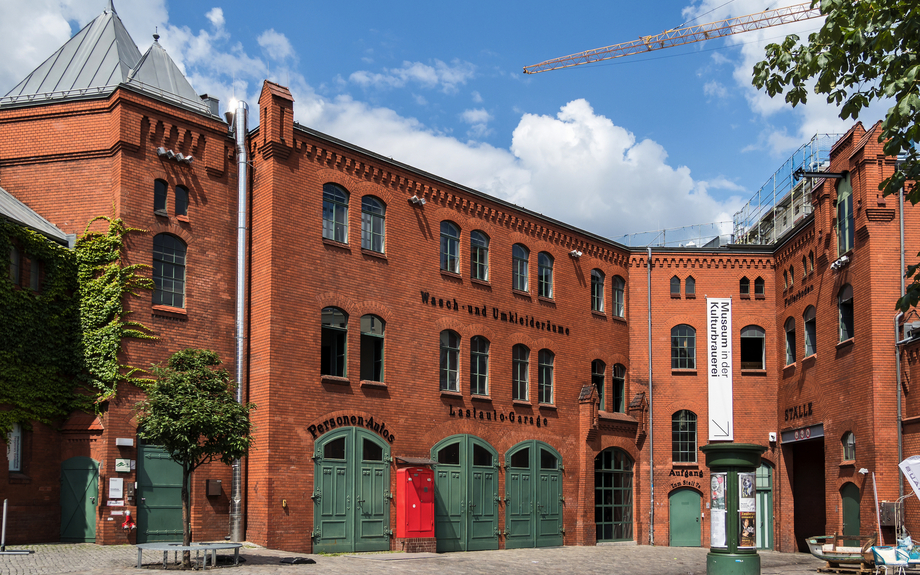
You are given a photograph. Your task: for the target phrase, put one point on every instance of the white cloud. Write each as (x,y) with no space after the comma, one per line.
(478,119)
(444,76)
(275,44)
(477,97)
(216,16)
(715,89)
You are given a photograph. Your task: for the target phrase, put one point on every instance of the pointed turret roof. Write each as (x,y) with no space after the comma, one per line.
(97,60)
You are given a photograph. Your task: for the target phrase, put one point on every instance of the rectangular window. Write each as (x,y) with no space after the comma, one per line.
(520,369)
(181,201)
(14,448)
(545,387)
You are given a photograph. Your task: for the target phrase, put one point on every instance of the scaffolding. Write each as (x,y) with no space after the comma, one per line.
(710,235)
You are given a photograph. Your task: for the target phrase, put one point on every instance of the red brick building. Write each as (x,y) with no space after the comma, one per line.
(397,320)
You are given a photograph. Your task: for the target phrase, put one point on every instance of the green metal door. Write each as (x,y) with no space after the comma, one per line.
(351,492)
(684,506)
(764,507)
(79,495)
(533,510)
(466,494)
(849,498)
(159,495)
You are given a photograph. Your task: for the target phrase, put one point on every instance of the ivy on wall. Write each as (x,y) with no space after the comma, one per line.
(59,345)
(39,348)
(104,282)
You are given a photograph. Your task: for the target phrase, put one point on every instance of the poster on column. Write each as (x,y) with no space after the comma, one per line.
(719,368)
(717,534)
(747,510)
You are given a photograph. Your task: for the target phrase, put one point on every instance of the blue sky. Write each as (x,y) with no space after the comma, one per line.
(674,138)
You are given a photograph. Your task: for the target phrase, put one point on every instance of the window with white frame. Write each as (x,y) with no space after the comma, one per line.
(547,360)
(479,366)
(479,256)
(450,360)
(520,372)
(619,296)
(520,261)
(450,247)
(545,275)
(597,290)
(335,213)
(373,224)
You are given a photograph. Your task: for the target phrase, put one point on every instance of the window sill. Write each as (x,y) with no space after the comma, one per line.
(481,282)
(183,219)
(685,463)
(373,384)
(690,296)
(683,371)
(521,402)
(335,244)
(521,293)
(450,274)
(336,380)
(550,406)
(619,318)
(161,213)
(373,254)
(789,366)
(477,397)
(810,359)
(760,296)
(845,343)
(753,372)
(450,393)
(675,296)
(745,296)
(169,311)
(848,463)
(598,314)
(548,300)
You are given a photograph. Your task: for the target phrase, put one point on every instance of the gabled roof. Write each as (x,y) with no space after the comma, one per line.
(96,61)
(17,212)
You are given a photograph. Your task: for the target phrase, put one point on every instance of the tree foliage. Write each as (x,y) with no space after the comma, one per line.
(866,50)
(192,412)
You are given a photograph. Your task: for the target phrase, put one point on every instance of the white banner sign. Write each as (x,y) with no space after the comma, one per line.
(910,467)
(719,368)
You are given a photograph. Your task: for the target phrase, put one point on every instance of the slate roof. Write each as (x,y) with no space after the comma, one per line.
(97,60)
(21,214)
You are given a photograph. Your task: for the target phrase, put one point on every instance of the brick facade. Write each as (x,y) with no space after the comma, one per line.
(72,161)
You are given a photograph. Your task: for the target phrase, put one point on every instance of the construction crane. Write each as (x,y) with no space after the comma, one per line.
(680,35)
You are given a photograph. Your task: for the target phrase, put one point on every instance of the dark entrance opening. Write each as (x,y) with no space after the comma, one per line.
(808,490)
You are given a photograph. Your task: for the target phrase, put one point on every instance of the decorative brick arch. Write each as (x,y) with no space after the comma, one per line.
(371,189)
(335,299)
(524,339)
(374,308)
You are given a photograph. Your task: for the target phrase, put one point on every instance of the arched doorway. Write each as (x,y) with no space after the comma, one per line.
(684,513)
(533,490)
(613,495)
(351,479)
(849,506)
(79,498)
(465,494)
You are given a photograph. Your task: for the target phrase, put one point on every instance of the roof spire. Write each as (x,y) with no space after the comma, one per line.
(112,6)
(156,34)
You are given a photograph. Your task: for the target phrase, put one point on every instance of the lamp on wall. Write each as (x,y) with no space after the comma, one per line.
(575,254)
(417,201)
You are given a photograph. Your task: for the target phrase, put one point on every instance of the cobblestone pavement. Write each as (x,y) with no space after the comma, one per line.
(92,559)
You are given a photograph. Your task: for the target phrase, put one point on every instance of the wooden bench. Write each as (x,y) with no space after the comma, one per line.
(166,547)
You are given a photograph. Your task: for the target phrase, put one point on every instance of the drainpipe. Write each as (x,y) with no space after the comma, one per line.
(897,338)
(651,409)
(240,131)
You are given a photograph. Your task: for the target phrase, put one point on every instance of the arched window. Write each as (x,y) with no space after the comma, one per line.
(804,268)
(545,275)
(845,309)
(479,366)
(372,338)
(675,286)
(690,286)
(335,213)
(520,260)
(598,373)
(759,287)
(790,340)
(811,333)
(745,286)
(450,360)
(334,345)
(811,262)
(545,383)
(791,276)
(683,347)
(450,247)
(619,388)
(520,372)
(160,191)
(844,216)
(169,271)
(619,296)
(849,446)
(373,224)
(597,290)
(752,347)
(479,256)
(683,436)
(181,201)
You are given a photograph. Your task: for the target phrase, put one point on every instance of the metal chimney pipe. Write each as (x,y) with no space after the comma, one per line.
(240,132)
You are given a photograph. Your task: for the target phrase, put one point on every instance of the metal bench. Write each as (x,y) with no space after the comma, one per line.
(166,547)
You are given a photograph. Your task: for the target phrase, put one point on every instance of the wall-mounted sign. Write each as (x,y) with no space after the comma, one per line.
(378,426)
(719,368)
(116,488)
(717,525)
(798,412)
(123,465)
(115,503)
(498,416)
(495,313)
(803,433)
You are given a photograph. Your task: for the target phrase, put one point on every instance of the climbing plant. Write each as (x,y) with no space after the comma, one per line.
(105,280)
(39,332)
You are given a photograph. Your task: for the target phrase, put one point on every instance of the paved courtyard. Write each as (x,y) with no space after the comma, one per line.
(607,559)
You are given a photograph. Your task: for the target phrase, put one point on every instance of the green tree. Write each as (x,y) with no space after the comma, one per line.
(866,50)
(192,412)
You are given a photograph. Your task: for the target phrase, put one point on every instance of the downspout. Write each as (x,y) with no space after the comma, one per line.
(240,131)
(651,408)
(897,338)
